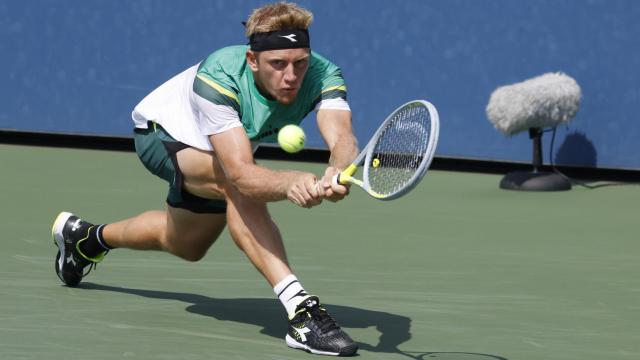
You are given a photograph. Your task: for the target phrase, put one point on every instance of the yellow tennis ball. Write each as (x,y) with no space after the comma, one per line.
(376,162)
(291,138)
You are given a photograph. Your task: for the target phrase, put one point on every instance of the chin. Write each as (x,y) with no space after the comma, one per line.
(287,100)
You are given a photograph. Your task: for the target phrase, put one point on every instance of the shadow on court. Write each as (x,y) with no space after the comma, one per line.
(269,315)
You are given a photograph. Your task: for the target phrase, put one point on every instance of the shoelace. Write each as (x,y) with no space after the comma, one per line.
(327,323)
(93,263)
(91,266)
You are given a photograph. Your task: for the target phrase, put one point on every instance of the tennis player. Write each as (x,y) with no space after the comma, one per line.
(198,132)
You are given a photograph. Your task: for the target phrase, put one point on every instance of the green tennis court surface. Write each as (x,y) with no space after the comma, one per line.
(456,270)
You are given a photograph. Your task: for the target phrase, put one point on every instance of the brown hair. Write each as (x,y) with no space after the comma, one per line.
(278,16)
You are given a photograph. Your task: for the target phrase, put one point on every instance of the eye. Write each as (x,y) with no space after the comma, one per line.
(301,63)
(278,64)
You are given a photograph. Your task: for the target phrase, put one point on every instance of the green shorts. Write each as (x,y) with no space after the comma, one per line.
(157,151)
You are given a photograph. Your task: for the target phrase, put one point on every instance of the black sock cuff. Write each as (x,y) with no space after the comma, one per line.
(100,238)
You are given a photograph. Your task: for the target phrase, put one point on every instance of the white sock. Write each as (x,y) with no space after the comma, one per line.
(290,293)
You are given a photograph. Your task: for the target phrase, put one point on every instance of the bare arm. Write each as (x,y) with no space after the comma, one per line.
(234,151)
(336,130)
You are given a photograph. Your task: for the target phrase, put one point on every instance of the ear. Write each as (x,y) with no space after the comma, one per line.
(252,60)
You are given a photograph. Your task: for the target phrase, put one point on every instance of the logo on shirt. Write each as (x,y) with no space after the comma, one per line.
(290,37)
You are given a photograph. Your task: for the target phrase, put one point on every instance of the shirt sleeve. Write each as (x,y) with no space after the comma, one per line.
(332,91)
(218,107)
(338,103)
(215,119)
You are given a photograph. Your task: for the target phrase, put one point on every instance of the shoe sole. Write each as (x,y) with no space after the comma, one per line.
(292,343)
(58,238)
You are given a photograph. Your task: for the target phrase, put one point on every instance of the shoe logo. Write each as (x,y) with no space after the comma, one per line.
(76,225)
(302,333)
(290,37)
(71,260)
(311,303)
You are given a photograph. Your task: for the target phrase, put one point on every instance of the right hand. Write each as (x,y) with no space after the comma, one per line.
(329,189)
(303,190)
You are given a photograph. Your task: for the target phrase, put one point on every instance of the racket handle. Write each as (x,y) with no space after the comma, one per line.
(336,179)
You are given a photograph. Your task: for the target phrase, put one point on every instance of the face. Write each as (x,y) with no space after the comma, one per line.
(279,73)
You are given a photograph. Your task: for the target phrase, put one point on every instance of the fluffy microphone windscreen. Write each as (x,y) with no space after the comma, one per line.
(543,101)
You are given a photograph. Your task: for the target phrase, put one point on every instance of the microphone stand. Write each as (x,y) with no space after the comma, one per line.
(536,179)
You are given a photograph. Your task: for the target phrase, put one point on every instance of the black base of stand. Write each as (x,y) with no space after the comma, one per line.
(534,181)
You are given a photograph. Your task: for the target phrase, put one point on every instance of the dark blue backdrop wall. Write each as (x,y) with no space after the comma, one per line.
(80,66)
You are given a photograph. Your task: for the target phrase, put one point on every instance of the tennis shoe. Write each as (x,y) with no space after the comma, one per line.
(313,330)
(68,232)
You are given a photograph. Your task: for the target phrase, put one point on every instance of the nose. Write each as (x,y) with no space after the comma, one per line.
(290,74)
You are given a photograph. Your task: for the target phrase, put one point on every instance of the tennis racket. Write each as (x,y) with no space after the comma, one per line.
(399,153)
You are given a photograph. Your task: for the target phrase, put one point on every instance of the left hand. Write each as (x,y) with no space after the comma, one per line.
(332,192)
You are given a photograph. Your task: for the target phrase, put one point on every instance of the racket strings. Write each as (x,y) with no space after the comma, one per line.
(400,150)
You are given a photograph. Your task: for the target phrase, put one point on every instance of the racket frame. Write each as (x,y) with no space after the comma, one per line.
(346,176)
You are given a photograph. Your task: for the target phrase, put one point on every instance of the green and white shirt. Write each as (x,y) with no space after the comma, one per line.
(219,94)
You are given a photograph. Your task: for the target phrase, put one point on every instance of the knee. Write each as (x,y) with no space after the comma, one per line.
(191,255)
(185,250)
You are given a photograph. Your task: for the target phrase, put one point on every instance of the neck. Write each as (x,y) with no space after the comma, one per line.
(261,89)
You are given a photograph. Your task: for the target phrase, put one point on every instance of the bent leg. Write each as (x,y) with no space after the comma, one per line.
(190,235)
(178,231)
(249,221)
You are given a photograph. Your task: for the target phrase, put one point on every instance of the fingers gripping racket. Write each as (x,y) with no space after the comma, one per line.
(399,153)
